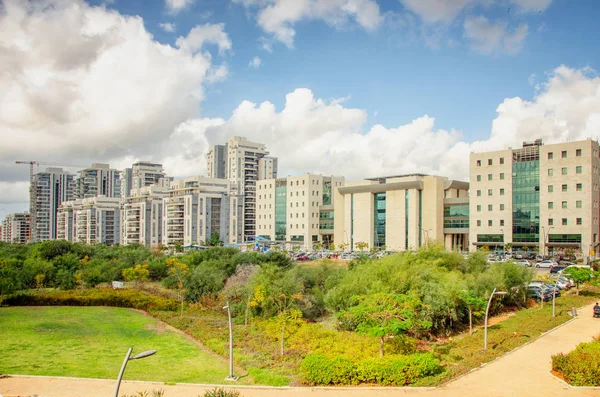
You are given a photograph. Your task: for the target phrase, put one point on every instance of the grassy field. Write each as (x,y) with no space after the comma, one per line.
(91,342)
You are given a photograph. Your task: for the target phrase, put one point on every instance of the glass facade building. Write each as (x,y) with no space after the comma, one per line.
(379,219)
(280,210)
(526,195)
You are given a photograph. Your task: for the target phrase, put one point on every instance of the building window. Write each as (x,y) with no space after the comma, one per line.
(501,222)
(579,187)
(478,178)
(578,204)
(563,154)
(550,155)
(564,188)
(489,192)
(490,177)
(501,207)
(579,221)
(578,152)
(479,163)
(564,221)
(501,160)
(550,188)
(550,205)
(550,221)
(490,162)
(564,204)
(490,223)
(478,223)
(478,208)
(578,169)
(502,176)
(550,172)
(501,192)
(490,207)
(564,170)
(479,193)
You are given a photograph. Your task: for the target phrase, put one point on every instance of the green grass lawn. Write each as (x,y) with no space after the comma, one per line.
(91,342)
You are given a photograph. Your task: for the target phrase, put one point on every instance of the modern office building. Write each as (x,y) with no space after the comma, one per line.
(97,220)
(141,216)
(243,163)
(297,210)
(402,213)
(15,228)
(98,180)
(52,188)
(539,197)
(196,207)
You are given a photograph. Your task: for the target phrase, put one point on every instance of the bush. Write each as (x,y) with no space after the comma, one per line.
(95,297)
(581,367)
(319,369)
(220,392)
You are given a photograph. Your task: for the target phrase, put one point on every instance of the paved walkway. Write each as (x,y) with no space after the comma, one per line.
(524,372)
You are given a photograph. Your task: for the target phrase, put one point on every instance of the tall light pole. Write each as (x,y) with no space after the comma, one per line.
(553,296)
(230,377)
(487,310)
(145,354)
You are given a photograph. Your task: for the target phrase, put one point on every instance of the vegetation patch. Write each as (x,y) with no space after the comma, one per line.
(581,367)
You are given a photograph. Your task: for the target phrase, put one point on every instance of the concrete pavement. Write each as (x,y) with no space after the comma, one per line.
(524,372)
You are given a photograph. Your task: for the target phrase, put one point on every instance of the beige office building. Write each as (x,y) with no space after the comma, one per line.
(402,212)
(297,210)
(539,197)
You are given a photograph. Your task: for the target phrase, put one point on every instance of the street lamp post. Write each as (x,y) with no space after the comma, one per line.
(128,357)
(230,377)
(553,296)
(487,310)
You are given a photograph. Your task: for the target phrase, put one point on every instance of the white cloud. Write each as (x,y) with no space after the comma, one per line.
(488,37)
(255,63)
(202,34)
(176,6)
(167,27)
(278,17)
(437,10)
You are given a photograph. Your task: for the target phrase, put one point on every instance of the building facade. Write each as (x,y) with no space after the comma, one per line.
(97,221)
(243,163)
(98,180)
(65,220)
(141,216)
(297,210)
(15,228)
(539,197)
(402,213)
(196,207)
(52,188)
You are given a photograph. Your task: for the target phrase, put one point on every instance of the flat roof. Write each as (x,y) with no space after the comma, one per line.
(394,176)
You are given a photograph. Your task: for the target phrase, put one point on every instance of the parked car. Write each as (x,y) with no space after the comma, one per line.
(523,262)
(550,287)
(557,268)
(546,263)
(574,266)
(564,283)
(538,294)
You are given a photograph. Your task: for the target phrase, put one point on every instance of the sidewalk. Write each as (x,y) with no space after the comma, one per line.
(524,372)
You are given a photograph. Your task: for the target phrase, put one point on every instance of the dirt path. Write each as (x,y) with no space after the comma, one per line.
(524,372)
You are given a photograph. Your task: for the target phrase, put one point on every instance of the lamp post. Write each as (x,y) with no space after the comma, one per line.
(128,357)
(426,233)
(230,377)
(553,296)
(487,310)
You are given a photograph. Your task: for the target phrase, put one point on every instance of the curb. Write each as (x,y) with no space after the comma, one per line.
(570,386)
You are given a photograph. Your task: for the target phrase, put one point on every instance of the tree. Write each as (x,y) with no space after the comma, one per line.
(361,245)
(580,275)
(214,240)
(343,246)
(285,313)
(179,271)
(137,274)
(474,304)
(384,315)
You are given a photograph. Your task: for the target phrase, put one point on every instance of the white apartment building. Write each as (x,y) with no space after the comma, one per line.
(196,207)
(15,228)
(98,180)
(141,216)
(539,197)
(141,174)
(65,220)
(297,209)
(402,212)
(243,163)
(97,221)
(52,187)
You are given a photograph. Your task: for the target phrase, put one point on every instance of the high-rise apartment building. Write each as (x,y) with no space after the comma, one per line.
(243,163)
(141,174)
(198,206)
(402,212)
(52,188)
(297,210)
(141,216)
(539,197)
(97,220)
(65,220)
(15,228)
(98,180)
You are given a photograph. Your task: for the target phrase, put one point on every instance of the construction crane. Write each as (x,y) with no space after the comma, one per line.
(32,191)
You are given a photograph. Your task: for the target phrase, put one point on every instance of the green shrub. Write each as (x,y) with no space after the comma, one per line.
(94,297)
(581,367)
(220,392)
(319,369)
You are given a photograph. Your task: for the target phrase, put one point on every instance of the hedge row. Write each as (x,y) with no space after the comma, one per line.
(93,297)
(581,367)
(319,369)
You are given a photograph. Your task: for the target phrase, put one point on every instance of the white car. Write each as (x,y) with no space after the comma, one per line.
(545,263)
(523,262)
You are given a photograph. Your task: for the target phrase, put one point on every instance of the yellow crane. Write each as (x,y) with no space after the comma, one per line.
(32,191)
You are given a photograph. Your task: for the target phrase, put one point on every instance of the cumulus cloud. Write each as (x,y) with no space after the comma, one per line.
(255,63)
(488,37)
(203,34)
(167,27)
(278,17)
(176,6)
